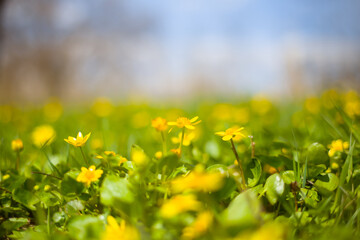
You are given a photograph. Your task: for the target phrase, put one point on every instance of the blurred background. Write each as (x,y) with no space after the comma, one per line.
(77,50)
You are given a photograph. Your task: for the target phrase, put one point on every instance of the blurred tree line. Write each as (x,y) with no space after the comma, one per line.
(46,45)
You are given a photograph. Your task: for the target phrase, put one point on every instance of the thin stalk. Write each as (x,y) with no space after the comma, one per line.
(163,142)
(52,166)
(295,199)
(85,160)
(252,147)
(182,140)
(49,175)
(48,221)
(239,164)
(17,160)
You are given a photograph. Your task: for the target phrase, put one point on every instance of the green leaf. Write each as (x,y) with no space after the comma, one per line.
(73,207)
(288,176)
(317,154)
(14,182)
(229,183)
(274,188)
(253,172)
(344,173)
(25,197)
(315,170)
(59,217)
(12,224)
(115,189)
(275,161)
(243,211)
(70,187)
(311,197)
(168,163)
(212,148)
(327,183)
(47,198)
(86,227)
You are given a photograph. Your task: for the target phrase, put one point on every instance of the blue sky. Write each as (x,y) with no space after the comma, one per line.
(188,19)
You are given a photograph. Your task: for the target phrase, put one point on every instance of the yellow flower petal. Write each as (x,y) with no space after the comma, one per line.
(194,119)
(87,137)
(227,137)
(220,133)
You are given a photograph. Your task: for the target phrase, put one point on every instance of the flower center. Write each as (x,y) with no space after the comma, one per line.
(183,121)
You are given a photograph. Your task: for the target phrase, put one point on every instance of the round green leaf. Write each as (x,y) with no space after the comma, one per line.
(316,154)
(115,189)
(274,187)
(243,211)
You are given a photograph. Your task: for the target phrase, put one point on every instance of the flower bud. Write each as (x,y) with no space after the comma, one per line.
(5,177)
(158,155)
(17,145)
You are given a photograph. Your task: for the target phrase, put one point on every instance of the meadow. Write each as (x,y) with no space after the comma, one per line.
(237,169)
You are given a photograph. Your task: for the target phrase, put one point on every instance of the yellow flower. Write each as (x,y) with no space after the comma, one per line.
(53,110)
(47,188)
(140,119)
(17,145)
(337,146)
(107,153)
(198,180)
(187,139)
(79,141)
(270,169)
(113,231)
(102,107)
(241,115)
(139,158)
(312,105)
(269,231)
(200,226)
(122,160)
(352,108)
(112,155)
(5,177)
(160,124)
(179,204)
(177,151)
(334,165)
(182,122)
(89,175)
(158,155)
(231,133)
(222,111)
(43,135)
(97,143)
(261,105)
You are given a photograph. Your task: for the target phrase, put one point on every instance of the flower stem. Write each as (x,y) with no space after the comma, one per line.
(252,147)
(49,175)
(17,160)
(48,221)
(85,160)
(163,142)
(239,164)
(181,142)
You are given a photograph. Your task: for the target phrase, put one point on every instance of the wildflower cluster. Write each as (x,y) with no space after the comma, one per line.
(244,170)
